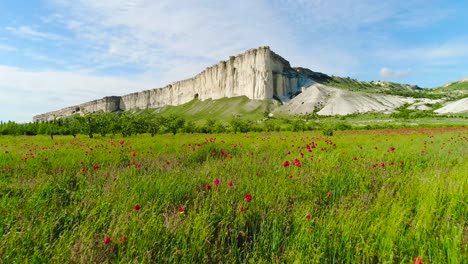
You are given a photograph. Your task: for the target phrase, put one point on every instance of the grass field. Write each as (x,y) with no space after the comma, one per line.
(377,196)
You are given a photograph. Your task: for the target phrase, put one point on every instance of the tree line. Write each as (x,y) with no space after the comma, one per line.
(101,123)
(147,121)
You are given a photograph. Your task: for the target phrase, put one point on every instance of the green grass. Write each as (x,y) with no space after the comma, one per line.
(379,209)
(221,109)
(461,86)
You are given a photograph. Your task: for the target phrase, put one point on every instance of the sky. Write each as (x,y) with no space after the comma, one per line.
(58,53)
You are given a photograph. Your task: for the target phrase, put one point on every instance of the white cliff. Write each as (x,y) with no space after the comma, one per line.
(259,74)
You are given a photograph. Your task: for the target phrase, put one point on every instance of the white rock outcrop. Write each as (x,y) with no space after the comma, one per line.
(333,101)
(459,106)
(259,74)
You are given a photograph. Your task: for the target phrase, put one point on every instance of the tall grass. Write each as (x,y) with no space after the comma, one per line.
(381,196)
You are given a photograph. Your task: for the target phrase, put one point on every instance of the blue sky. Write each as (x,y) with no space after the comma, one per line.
(56,53)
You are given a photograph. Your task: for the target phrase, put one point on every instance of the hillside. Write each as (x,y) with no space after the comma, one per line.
(224,109)
(351,84)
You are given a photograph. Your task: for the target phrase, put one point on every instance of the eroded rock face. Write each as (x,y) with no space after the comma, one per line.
(259,74)
(106,104)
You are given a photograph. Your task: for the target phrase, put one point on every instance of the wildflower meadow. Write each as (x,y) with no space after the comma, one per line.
(373,196)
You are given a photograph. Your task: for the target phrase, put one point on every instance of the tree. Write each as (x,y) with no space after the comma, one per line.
(174,123)
(126,124)
(89,124)
(73,124)
(53,126)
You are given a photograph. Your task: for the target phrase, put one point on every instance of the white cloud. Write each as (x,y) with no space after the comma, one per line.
(393,74)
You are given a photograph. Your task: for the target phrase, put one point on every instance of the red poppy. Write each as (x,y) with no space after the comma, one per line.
(308,216)
(136,207)
(107,240)
(286,163)
(297,163)
(329,194)
(402,163)
(230,184)
(248,197)
(417,260)
(180,209)
(242,209)
(216,182)
(96,167)
(208,187)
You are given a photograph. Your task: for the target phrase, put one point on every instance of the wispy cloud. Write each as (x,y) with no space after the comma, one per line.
(7,48)
(388,73)
(163,35)
(27,31)
(446,52)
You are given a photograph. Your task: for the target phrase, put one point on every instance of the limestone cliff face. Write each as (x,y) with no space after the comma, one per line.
(106,104)
(259,74)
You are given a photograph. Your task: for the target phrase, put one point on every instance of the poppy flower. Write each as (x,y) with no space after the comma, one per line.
(181,210)
(216,182)
(417,260)
(107,240)
(230,184)
(297,163)
(308,216)
(136,207)
(286,163)
(242,209)
(248,197)
(208,187)
(329,194)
